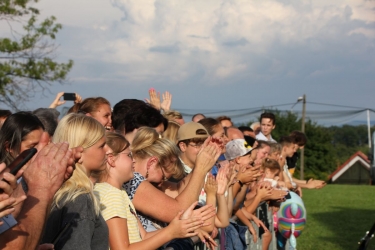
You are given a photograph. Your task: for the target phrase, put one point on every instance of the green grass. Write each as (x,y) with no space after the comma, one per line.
(337,217)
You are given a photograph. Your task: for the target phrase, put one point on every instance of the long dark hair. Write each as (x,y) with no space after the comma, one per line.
(14,130)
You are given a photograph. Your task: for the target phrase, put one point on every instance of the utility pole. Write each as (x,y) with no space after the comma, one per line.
(369,129)
(303,131)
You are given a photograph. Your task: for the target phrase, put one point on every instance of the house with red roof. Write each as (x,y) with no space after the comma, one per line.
(356,170)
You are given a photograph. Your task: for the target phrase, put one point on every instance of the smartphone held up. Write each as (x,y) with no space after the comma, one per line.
(69,96)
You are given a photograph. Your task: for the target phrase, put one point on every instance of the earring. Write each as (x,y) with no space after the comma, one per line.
(147,174)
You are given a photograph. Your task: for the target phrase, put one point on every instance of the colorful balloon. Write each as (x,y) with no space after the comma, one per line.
(291,218)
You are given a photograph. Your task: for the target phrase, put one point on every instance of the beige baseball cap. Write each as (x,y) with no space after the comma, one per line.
(191,130)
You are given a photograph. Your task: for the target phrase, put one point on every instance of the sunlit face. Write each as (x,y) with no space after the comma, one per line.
(31,140)
(266,126)
(248,159)
(94,158)
(263,153)
(151,168)
(289,150)
(124,164)
(219,133)
(103,115)
(190,152)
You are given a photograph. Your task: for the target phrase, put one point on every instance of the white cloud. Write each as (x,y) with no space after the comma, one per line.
(215,42)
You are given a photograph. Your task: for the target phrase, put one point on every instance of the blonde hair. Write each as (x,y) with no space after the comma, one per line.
(117,143)
(172,114)
(83,131)
(171,132)
(147,143)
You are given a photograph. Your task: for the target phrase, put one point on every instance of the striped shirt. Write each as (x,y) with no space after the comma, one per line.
(116,203)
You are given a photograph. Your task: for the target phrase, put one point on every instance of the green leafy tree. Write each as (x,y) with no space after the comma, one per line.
(27,60)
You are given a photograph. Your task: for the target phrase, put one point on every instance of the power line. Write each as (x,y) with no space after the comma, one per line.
(337,105)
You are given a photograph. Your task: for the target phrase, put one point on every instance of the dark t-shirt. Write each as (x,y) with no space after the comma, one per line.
(292,161)
(86,231)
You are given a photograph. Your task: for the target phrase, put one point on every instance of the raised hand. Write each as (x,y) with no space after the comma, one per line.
(207,156)
(210,186)
(167,101)
(154,98)
(57,102)
(222,180)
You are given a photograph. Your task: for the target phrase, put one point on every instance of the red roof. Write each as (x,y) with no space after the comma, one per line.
(359,154)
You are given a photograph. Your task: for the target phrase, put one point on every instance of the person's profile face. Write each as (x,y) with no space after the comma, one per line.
(31,140)
(103,115)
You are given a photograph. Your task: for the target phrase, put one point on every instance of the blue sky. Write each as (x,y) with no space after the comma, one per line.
(228,54)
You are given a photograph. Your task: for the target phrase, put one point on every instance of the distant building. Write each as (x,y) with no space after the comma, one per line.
(356,170)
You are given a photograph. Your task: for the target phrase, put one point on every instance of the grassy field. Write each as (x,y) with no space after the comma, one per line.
(337,217)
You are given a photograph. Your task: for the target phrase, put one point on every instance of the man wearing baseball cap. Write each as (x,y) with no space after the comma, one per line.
(190,138)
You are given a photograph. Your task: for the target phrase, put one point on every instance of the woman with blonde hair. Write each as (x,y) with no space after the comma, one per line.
(118,210)
(75,209)
(155,161)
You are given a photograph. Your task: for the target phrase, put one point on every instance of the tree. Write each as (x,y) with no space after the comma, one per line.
(26,61)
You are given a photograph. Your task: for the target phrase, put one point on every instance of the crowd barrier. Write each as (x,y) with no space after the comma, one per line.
(251,245)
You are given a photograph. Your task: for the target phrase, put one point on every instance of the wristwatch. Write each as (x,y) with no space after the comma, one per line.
(235,181)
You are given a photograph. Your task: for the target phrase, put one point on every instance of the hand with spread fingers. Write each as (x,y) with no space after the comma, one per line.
(154,98)
(207,156)
(167,101)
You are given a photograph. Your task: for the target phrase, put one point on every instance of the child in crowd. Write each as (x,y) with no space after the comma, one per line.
(118,211)
(271,169)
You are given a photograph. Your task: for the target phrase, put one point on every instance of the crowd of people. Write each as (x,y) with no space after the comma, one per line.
(138,176)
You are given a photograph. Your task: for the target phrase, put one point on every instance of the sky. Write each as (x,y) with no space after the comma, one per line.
(218,54)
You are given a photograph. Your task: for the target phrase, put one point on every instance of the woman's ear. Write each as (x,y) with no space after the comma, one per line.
(152,161)
(88,114)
